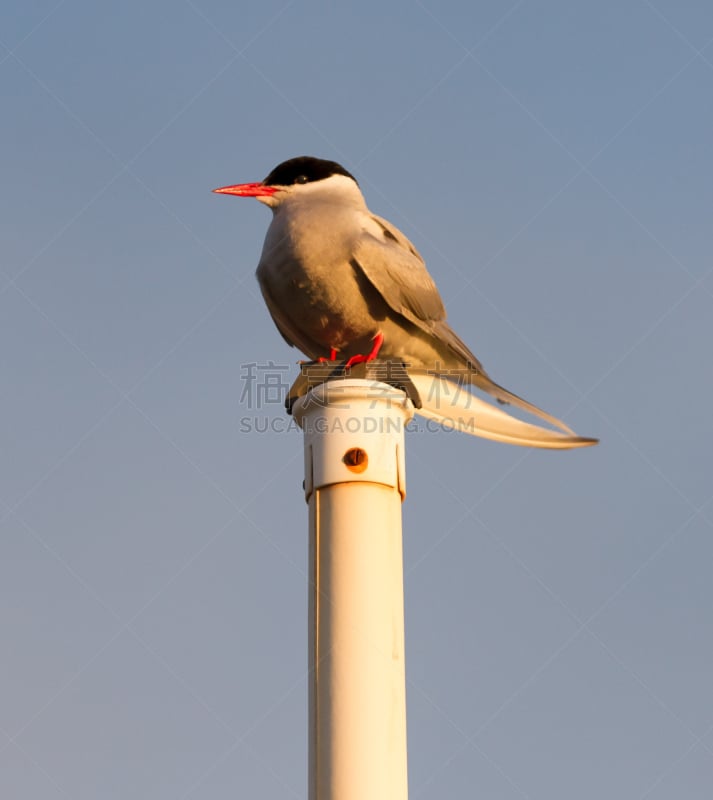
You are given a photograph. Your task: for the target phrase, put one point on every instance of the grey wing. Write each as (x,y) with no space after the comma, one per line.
(396,270)
(394,267)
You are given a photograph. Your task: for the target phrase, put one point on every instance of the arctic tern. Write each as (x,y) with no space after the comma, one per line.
(340,281)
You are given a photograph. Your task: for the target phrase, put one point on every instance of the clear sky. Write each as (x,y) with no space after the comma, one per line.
(552,162)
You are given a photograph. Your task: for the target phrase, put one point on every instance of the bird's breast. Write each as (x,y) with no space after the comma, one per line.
(307,272)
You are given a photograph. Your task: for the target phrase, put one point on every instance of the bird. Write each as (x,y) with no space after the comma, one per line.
(342,282)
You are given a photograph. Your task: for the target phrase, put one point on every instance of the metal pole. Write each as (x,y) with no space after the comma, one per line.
(354,485)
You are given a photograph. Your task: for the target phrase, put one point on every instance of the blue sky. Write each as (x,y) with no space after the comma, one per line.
(552,163)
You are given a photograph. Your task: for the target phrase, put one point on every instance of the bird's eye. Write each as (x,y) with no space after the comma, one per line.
(301,179)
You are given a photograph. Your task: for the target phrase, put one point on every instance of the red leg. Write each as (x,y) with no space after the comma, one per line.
(332,356)
(371,355)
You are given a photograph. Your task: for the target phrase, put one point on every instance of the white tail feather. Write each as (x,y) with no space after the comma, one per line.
(454,406)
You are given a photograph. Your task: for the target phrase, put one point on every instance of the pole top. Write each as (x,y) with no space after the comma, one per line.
(354,433)
(315,373)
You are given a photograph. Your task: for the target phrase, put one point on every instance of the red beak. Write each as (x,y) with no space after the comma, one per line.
(247,190)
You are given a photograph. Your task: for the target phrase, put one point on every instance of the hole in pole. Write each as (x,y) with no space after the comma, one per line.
(356,459)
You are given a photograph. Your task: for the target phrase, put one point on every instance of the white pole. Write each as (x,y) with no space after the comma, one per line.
(354,484)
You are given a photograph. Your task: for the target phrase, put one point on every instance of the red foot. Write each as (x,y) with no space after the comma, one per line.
(332,356)
(370,356)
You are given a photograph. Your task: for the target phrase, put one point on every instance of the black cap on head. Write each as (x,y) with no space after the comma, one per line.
(304,169)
